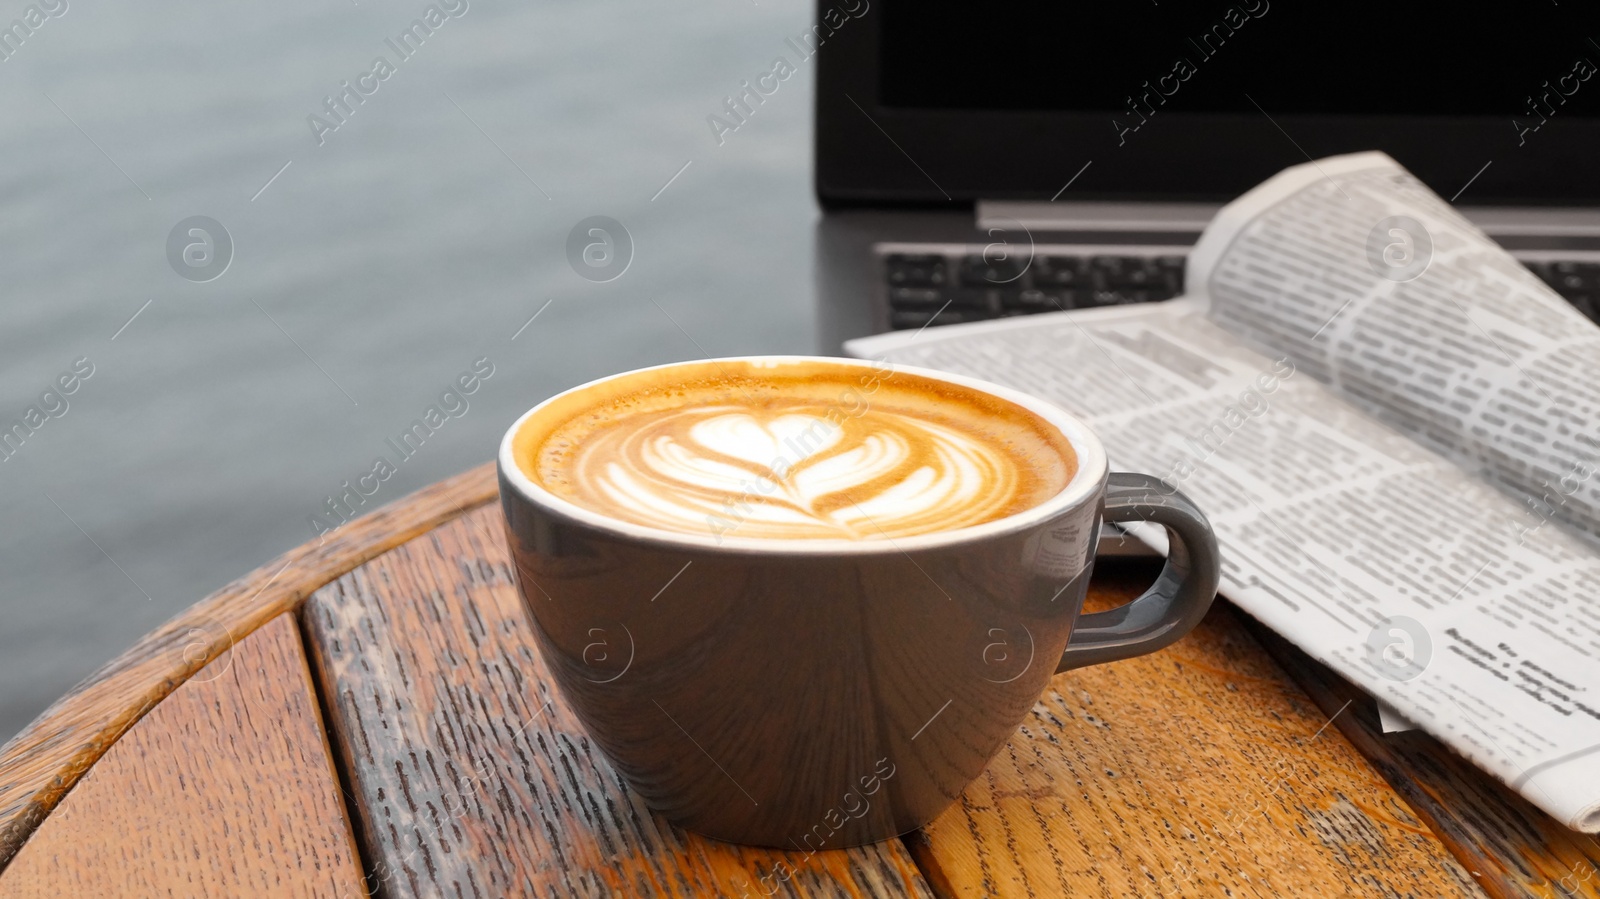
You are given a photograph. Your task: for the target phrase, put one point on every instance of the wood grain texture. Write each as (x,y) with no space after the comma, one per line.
(39,765)
(1512,848)
(1200,770)
(475,780)
(227,788)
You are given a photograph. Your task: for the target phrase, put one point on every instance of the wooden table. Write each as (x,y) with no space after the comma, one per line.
(368,716)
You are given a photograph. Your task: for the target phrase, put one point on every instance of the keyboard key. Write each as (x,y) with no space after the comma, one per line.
(1032,301)
(915,270)
(915,298)
(1172,270)
(1112,272)
(1573,277)
(1058,271)
(968,298)
(926,299)
(1123,297)
(1588,304)
(976,271)
(900,320)
(1106,271)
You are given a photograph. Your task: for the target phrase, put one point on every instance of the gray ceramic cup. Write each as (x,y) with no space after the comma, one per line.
(817,694)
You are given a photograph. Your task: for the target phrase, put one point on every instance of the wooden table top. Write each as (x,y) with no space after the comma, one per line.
(369,716)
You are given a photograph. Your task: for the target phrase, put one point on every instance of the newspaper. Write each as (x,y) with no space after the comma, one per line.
(1394,428)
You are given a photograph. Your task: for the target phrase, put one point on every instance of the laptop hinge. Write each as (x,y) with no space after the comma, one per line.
(1061,216)
(1507,221)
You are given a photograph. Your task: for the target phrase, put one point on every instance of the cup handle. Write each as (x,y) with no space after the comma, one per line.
(1181,595)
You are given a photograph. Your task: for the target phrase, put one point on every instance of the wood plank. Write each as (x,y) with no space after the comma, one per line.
(227,788)
(1200,770)
(474,779)
(1513,848)
(40,764)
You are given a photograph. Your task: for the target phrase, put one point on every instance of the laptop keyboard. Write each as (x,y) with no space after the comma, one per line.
(1579,282)
(971,288)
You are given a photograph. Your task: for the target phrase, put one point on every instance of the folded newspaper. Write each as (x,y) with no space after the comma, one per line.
(1395,429)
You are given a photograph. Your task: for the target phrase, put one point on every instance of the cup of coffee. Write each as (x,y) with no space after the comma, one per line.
(801,602)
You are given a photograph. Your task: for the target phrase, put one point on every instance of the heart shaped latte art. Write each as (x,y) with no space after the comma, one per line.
(801,471)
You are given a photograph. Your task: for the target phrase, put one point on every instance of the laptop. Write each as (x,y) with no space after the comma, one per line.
(975,161)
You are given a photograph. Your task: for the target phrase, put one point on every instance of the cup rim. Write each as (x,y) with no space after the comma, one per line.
(1084,485)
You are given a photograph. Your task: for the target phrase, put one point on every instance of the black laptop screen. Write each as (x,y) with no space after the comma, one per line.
(1357,58)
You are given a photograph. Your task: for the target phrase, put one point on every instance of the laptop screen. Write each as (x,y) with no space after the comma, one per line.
(942,101)
(1353,58)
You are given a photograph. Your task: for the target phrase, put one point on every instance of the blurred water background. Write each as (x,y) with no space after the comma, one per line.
(420,236)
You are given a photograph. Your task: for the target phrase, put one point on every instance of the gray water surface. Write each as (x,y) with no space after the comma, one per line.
(419,237)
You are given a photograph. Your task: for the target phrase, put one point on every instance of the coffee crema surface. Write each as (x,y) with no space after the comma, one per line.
(793,450)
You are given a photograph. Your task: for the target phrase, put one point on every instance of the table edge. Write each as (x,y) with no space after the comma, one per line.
(41,764)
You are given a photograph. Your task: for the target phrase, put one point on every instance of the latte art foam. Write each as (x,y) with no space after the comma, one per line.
(810,450)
